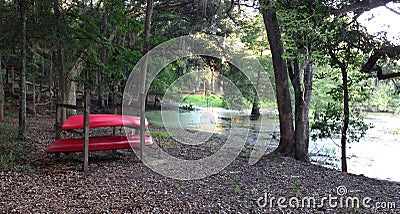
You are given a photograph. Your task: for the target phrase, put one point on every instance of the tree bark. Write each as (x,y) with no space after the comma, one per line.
(2,100)
(286,144)
(34,83)
(51,83)
(71,86)
(147,27)
(346,109)
(255,110)
(59,66)
(86,128)
(22,107)
(302,106)
(345,120)
(102,97)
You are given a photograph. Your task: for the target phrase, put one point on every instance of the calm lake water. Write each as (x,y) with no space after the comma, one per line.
(375,155)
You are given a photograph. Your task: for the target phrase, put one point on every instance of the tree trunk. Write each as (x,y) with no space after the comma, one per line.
(59,66)
(101,97)
(346,110)
(345,120)
(2,100)
(147,27)
(86,127)
(255,110)
(34,84)
(71,86)
(51,83)
(302,106)
(286,144)
(22,107)
(59,63)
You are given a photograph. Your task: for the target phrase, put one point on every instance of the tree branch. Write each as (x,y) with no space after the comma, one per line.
(391,52)
(362,6)
(370,65)
(393,10)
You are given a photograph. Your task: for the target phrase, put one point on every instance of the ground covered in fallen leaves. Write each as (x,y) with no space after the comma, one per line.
(32,181)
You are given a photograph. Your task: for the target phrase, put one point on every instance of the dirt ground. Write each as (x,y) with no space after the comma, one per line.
(32,181)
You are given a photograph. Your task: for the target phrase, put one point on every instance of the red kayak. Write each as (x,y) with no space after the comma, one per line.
(98,143)
(102,120)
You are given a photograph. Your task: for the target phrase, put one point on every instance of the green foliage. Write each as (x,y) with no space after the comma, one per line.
(236,185)
(327,107)
(165,78)
(254,35)
(296,188)
(329,124)
(384,97)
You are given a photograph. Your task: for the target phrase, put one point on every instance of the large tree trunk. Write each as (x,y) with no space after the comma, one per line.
(2,100)
(286,144)
(22,107)
(302,106)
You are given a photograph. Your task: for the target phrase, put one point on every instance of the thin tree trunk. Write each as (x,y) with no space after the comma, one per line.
(61,83)
(22,107)
(255,110)
(286,144)
(34,84)
(71,86)
(59,65)
(142,91)
(101,97)
(86,128)
(51,83)
(2,100)
(39,97)
(346,109)
(345,120)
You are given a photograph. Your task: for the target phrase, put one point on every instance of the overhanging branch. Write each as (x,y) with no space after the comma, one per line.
(370,65)
(362,6)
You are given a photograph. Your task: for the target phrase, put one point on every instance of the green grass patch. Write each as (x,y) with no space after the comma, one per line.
(10,149)
(213,100)
(163,134)
(8,134)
